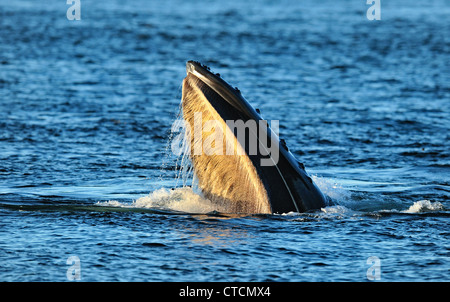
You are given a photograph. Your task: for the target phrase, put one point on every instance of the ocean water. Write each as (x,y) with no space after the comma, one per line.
(89,187)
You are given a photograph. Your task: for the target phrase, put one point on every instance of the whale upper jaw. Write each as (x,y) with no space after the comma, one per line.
(226,91)
(242,183)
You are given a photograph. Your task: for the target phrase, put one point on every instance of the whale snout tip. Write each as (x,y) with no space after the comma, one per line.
(192,66)
(189,67)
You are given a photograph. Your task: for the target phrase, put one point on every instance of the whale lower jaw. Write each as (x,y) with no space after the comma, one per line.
(230,172)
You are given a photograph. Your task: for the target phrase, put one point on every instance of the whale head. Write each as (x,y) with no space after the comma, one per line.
(239,161)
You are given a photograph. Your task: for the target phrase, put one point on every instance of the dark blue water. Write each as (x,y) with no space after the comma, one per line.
(86,109)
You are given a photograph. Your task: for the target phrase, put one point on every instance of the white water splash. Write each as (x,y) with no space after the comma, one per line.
(333,189)
(424,206)
(338,209)
(180,199)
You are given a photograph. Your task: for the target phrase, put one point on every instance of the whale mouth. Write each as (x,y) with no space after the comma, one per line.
(238,160)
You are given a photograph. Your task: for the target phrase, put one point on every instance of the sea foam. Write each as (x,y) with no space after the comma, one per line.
(179,199)
(424,206)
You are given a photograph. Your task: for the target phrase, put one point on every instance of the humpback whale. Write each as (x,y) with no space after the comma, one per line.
(245,169)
